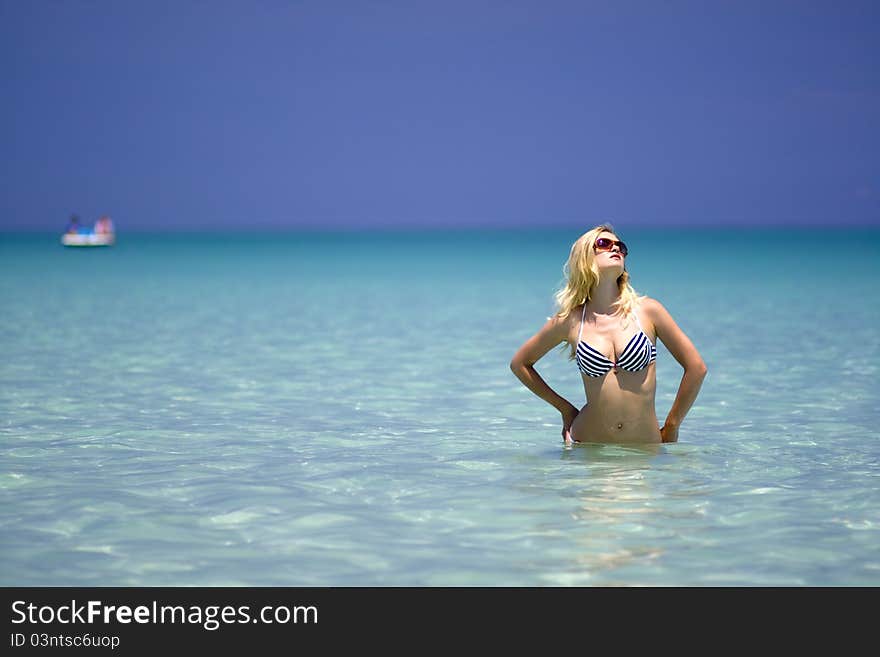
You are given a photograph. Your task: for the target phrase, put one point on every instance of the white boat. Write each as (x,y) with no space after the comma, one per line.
(88,239)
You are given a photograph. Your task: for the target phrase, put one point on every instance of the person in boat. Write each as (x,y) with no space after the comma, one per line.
(611,334)
(73,226)
(104,226)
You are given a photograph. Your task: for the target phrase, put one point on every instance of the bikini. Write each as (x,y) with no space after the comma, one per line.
(636,356)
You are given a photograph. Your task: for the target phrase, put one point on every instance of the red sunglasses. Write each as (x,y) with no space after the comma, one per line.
(605,244)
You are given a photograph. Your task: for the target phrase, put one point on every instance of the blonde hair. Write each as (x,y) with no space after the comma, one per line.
(582,276)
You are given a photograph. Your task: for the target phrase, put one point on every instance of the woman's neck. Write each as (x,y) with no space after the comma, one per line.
(605,295)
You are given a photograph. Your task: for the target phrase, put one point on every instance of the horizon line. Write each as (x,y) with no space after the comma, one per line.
(263,230)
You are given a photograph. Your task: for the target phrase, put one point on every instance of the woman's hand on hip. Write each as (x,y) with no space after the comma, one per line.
(568,416)
(669,433)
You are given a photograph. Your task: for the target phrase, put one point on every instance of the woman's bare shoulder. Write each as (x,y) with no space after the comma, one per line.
(558,321)
(562,326)
(651,307)
(652,312)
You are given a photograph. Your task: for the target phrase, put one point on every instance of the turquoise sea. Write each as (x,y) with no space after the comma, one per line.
(309,409)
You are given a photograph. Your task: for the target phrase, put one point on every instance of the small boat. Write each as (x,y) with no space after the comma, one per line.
(103,233)
(88,239)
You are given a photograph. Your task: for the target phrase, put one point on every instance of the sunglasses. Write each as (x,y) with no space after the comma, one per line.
(605,244)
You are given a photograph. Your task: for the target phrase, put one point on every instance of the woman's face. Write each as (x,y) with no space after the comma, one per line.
(609,251)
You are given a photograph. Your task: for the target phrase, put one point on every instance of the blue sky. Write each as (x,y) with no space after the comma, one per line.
(265,115)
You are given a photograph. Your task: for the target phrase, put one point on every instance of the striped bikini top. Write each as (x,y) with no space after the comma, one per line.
(636,356)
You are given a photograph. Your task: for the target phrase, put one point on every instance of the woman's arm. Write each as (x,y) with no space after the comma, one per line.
(684,351)
(551,334)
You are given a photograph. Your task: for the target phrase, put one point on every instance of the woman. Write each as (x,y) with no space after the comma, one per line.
(611,332)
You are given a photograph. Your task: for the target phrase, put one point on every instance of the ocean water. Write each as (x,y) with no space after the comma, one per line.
(337,410)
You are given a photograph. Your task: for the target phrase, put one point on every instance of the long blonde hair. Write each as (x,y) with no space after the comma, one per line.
(582,276)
